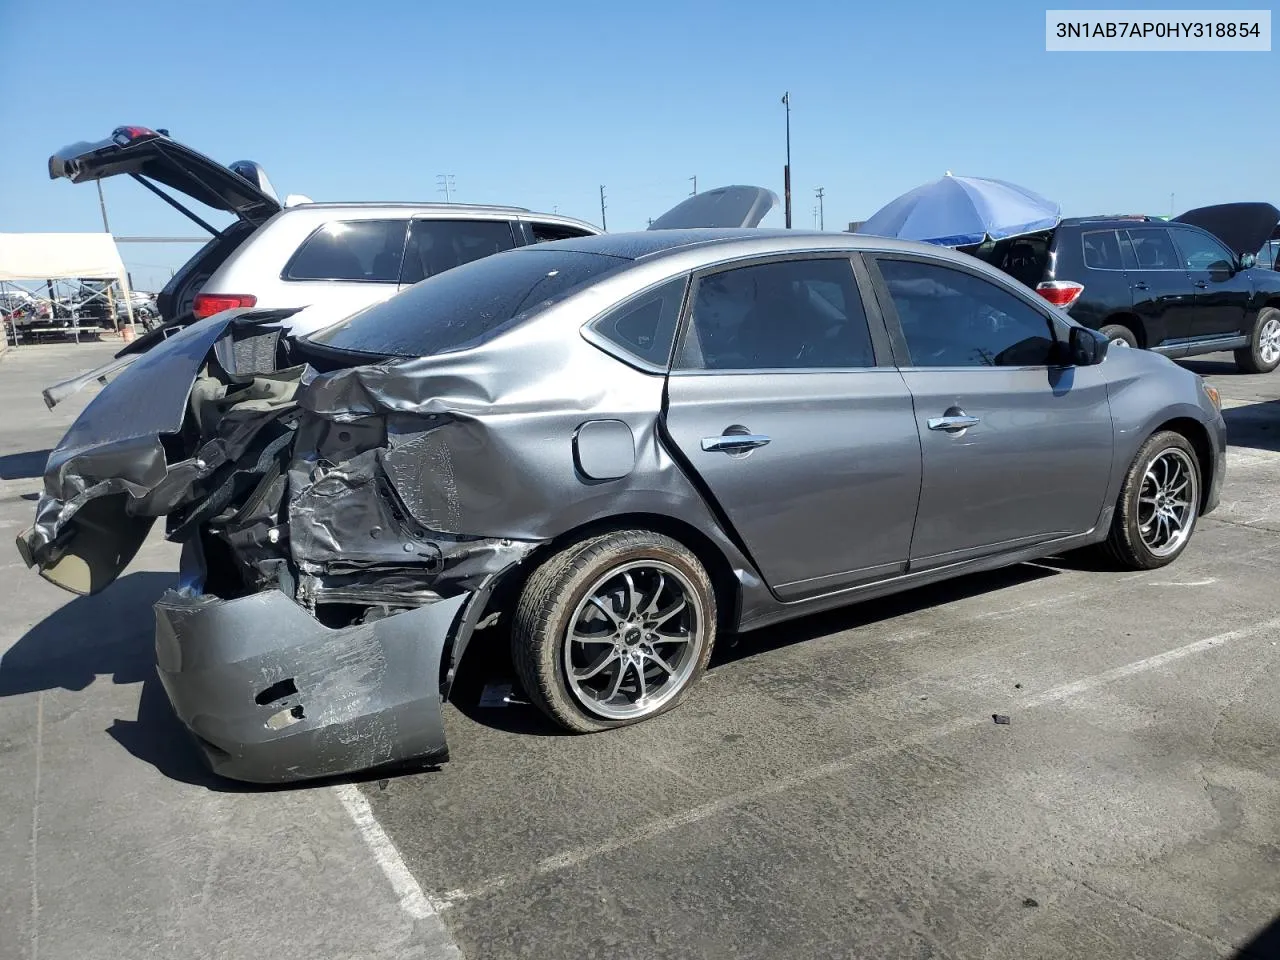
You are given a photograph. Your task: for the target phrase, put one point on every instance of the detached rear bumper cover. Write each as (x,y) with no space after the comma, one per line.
(273,695)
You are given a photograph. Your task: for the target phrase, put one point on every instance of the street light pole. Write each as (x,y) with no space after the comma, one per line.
(786,171)
(694,178)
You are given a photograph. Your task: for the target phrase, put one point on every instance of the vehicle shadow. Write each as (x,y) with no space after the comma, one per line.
(1264,946)
(870,612)
(1255,425)
(23,466)
(487,663)
(1215,368)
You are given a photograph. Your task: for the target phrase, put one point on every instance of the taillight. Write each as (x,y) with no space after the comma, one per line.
(1061,293)
(207,304)
(131,133)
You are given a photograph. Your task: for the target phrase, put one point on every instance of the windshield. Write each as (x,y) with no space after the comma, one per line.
(467,305)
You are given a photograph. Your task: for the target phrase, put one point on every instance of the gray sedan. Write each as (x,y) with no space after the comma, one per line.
(616,448)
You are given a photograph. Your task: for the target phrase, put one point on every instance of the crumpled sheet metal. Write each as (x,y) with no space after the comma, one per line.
(273,695)
(114,446)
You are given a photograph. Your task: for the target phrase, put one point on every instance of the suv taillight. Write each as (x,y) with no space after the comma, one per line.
(207,304)
(1061,293)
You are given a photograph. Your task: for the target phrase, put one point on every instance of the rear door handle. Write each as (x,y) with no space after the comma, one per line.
(1201,284)
(954,423)
(1140,286)
(734,442)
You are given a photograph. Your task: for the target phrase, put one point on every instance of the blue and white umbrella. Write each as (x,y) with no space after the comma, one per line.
(961,211)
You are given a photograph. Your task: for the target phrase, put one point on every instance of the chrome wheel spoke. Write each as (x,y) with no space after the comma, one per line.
(609,638)
(633,596)
(667,614)
(617,680)
(590,672)
(643,690)
(656,658)
(604,608)
(651,607)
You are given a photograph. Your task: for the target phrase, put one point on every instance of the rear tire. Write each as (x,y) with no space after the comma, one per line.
(1159,504)
(1120,335)
(1263,353)
(613,630)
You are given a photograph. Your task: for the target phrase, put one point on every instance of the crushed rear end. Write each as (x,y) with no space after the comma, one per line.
(321,608)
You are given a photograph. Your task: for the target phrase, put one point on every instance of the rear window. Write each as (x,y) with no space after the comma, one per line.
(469,304)
(1101,250)
(369,250)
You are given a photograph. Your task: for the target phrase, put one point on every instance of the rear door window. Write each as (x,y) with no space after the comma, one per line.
(545,232)
(363,250)
(783,315)
(1154,249)
(439,245)
(1128,258)
(1101,250)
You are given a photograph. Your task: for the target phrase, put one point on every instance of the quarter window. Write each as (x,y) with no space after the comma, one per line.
(1201,252)
(368,250)
(645,325)
(785,315)
(1154,249)
(1101,250)
(955,319)
(439,245)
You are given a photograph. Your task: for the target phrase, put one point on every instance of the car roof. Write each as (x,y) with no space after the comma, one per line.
(722,244)
(431,207)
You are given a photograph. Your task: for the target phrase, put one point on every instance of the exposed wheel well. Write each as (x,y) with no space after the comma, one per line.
(1198,436)
(507,591)
(1133,322)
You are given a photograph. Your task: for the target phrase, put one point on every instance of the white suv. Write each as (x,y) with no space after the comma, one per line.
(336,258)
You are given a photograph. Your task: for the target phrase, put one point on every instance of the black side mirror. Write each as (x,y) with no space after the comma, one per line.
(1086,347)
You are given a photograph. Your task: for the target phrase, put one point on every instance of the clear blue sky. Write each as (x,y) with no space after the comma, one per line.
(538,104)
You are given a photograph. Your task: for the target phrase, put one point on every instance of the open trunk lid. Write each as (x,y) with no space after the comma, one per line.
(241,188)
(723,207)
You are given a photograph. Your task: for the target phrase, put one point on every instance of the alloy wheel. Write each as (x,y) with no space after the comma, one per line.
(1269,341)
(1167,502)
(634,640)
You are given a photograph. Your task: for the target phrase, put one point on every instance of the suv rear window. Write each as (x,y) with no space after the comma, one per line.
(465,306)
(439,245)
(368,250)
(1101,250)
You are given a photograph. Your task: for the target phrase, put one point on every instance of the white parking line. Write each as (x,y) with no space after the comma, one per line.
(657,828)
(412,900)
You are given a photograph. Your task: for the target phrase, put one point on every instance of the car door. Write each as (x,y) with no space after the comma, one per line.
(1221,290)
(784,401)
(1015,450)
(436,245)
(1162,291)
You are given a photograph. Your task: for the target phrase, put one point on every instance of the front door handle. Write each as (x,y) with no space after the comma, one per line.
(1140,286)
(954,423)
(734,442)
(1201,284)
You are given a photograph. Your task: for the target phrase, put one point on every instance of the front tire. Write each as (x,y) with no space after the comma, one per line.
(1263,353)
(613,630)
(1159,504)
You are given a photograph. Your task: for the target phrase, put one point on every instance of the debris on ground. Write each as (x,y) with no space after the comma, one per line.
(1000,718)
(1030,902)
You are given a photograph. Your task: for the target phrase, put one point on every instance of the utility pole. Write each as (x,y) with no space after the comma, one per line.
(106,228)
(446,186)
(1171,206)
(651,221)
(694,178)
(604,224)
(822,214)
(786,171)
(815,216)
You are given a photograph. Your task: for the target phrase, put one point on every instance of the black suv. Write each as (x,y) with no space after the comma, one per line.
(1180,287)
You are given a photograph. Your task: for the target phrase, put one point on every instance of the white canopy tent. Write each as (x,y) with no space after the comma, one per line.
(63,256)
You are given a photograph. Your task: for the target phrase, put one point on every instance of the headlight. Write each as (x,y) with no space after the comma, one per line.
(1211,392)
